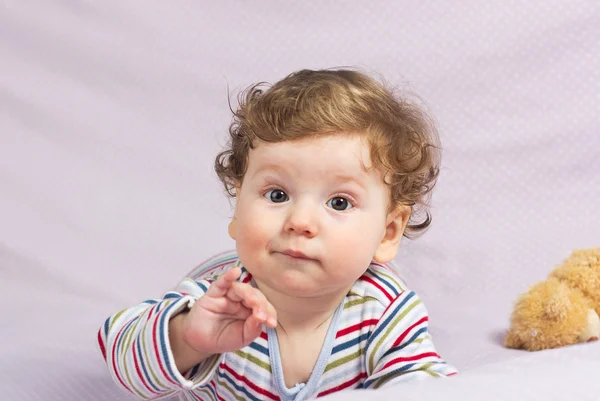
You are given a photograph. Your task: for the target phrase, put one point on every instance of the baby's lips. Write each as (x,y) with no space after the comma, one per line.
(592,339)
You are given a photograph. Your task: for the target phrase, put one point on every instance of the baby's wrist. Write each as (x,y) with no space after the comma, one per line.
(186,356)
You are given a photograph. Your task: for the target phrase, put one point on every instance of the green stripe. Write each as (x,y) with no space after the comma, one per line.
(149,366)
(208,393)
(210,369)
(254,360)
(127,343)
(388,377)
(115,317)
(341,361)
(391,326)
(391,278)
(233,393)
(358,301)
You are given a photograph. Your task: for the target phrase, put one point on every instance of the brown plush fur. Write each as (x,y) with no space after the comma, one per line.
(582,271)
(553,313)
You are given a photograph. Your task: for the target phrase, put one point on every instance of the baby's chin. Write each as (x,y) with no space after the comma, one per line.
(305,288)
(293,282)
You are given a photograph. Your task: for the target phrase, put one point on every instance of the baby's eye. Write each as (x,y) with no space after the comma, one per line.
(276,196)
(339,203)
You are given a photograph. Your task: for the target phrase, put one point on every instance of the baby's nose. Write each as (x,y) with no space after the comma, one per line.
(302,220)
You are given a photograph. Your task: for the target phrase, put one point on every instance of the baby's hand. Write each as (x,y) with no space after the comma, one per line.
(228,316)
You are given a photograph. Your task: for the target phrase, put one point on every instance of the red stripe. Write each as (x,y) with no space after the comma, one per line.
(205,272)
(151,311)
(357,326)
(101,344)
(343,385)
(386,267)
(114,350)
(137,368)
(370,280)
(405,333)
(410,359)
(263,335)
(249,383)
(213,383)
(156,351)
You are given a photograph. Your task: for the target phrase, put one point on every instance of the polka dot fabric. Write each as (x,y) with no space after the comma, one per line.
(111,114)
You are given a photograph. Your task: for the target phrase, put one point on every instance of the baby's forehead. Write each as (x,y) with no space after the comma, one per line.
(343,156)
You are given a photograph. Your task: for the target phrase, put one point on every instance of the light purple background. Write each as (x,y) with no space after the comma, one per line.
(111,113)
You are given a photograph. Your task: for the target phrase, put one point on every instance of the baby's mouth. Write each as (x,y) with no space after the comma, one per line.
(296,254)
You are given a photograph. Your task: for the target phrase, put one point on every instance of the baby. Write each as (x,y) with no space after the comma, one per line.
(329,170)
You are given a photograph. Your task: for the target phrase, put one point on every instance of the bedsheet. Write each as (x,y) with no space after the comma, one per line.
(111,114)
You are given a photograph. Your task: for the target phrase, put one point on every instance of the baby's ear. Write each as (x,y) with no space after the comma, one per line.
(394,229)
(232,229)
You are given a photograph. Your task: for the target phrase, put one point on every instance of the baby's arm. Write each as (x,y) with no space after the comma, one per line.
(226,318)
(150,348)
(400,348)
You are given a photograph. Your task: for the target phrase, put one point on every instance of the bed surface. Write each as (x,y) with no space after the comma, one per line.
(111,114)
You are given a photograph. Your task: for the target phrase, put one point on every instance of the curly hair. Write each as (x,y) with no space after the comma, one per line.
(403,139)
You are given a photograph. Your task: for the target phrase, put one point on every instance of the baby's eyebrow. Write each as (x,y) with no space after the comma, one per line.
(337,177)
(357,179)
(279,168)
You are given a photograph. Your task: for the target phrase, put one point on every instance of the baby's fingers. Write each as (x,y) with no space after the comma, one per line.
(252,329)
(222,284)
(252,298)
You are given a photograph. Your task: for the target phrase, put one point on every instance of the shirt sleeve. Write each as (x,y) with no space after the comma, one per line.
(135,345)
(400,347)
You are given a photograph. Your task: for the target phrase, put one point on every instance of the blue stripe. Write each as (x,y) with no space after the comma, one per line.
(239,388)
(194,370)
(123,333)
(172,295)
(150,301)
(211,389)
(259,348)
(204,288)
(106,325)
(162,340)
(394,373)
(385,282)
(210,263)
(382,326)
(205,387)
(350,343)
(406,343)
(403,370)
(139,352)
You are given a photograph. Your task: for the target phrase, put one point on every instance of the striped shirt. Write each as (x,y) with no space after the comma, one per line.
(378,336)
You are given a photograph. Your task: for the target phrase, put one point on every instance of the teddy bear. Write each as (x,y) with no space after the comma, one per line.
(563,310)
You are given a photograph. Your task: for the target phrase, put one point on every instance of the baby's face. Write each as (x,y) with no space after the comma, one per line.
(309,218)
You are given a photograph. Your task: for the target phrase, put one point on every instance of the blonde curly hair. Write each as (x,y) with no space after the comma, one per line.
(403,139)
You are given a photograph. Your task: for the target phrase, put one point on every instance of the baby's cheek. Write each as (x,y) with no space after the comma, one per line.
(353,251)
(251,237)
